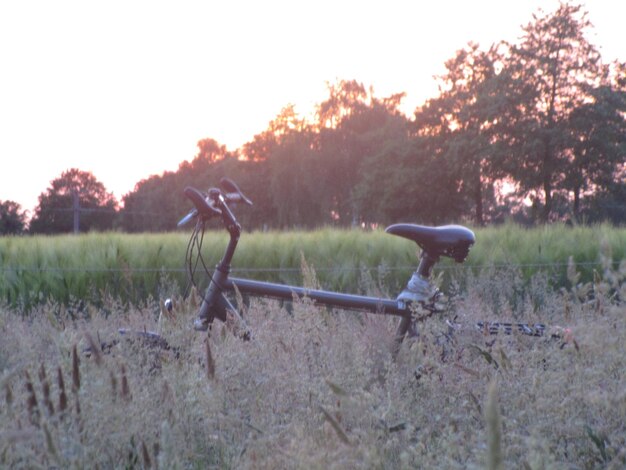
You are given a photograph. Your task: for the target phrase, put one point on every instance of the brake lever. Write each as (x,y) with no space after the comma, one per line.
(233,193)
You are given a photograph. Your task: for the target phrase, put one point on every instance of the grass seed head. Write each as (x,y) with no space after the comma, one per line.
(31,401)
(75,370)
(113,380)
(210,364)
(45,389)
(62,394)
(8,395)
(125,392)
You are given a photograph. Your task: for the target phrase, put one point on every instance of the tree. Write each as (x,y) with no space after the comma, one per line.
(554,69)
(74,193)
(406,182)
(464,119)
(12,218)
(598,136)
(344,98)
(353,126)
(154,204)
(294,182)
(209,151)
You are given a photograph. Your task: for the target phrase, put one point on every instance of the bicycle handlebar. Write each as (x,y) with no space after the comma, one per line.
(203,206)
(215,202)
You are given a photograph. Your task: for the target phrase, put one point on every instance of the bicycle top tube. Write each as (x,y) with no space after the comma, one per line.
(333,299)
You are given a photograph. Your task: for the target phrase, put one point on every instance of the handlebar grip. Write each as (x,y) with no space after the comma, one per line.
(200,202)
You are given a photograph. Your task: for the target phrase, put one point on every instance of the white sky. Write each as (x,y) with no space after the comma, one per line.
(126,88)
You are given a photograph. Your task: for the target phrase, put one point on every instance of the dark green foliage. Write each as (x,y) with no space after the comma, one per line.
(75,191)
(568,133)
(12,218)
(462,126)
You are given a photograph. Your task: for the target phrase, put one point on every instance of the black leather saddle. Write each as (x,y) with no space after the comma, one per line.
(453,241)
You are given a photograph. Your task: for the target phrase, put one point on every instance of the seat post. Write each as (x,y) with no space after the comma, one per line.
(426,264)
(419,283)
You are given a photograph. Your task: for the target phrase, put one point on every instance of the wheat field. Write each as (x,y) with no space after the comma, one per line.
(136,267)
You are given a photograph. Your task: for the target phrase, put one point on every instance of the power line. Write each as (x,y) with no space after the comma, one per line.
(108,211)
(294,270)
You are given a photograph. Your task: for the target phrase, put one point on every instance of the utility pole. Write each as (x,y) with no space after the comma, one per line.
(76,207)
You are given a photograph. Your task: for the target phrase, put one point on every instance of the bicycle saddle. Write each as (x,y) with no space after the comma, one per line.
(453,241)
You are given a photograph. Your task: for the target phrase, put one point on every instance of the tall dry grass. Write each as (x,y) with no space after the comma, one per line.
(319,389)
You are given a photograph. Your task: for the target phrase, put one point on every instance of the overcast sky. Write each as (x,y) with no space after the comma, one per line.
(125,89)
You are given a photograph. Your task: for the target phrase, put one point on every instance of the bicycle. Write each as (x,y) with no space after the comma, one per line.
(452,241)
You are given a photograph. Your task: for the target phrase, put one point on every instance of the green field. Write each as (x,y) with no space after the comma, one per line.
(133,268)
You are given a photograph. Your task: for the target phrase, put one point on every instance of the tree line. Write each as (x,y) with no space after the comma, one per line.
(534,131)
